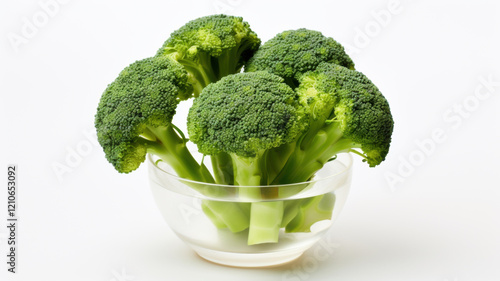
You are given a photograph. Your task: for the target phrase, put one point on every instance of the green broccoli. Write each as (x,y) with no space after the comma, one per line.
(271,134)
(211,47)
(293,52)
(346,112)
(134,118)
(135,113)
(297,105)
(244,116)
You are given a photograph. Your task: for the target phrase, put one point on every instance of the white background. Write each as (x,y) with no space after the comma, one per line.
(431,211)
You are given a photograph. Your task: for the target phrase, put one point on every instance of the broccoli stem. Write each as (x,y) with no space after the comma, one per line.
(312,151)
(228,63)
(265,217)
(171,148)
(276,160)
(310,211)
(231,215)
(223,168)
(309,157)
(265,222)
(202,79)
(247,172)
(231,61)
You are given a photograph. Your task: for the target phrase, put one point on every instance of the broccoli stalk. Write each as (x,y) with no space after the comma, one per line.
(171,148)
(306,160)
(309,211)
(265,217)
(223,168)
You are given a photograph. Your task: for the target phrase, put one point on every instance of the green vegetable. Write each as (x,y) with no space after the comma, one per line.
(211,47)
(293,52)
(297,105)
(346,112)
(243,116)
(135,112)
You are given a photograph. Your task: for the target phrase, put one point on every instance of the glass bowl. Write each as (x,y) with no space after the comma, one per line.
(310,209)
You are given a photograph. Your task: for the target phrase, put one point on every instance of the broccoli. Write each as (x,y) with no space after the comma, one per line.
(293,52)
(211,47)
(243,116)
(134,118)
(346,112)
(274,135)
(297,105)
(135,113)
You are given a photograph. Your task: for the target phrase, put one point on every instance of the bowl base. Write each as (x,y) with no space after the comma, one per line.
(248,259)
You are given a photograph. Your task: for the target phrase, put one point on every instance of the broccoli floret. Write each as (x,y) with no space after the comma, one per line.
(211,47)
(346,112)
(291,53)
(135,111)
(134,118)
(244,115)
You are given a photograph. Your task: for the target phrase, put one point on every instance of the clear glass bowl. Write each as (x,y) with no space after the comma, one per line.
(181,202)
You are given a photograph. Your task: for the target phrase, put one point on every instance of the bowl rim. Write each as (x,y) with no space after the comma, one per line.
(347,168)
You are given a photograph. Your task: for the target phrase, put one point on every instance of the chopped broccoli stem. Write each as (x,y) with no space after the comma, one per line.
(265,222)
(172,148)
(212,216)
(231,215)
(265,217)
(248,174)
(310,211)
(290,210)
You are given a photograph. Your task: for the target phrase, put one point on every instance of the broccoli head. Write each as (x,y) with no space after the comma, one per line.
(244,114)
(345,112)
(293,52)
(354,104)
(143,97)
(211,47)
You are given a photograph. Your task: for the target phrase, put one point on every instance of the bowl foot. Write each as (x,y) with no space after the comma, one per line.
(248,259)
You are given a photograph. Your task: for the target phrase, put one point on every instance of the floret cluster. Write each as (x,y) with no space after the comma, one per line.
(264,114)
